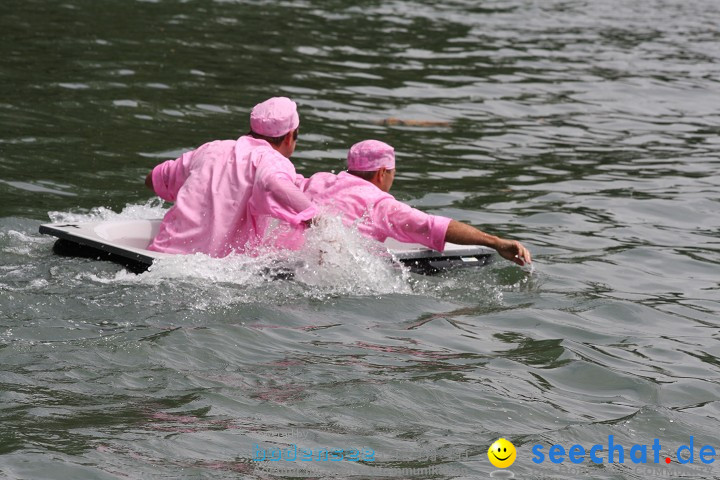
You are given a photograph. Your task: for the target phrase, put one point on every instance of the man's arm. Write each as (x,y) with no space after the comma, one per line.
(280,196)
(167,178)
(464,234)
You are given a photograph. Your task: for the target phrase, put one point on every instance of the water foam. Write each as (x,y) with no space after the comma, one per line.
(340,259)
(153,208)
(335,260)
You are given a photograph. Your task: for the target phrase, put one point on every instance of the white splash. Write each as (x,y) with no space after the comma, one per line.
(341,260)
(335,260)
(153,208)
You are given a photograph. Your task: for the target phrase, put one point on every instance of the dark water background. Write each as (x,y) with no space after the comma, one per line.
(586,129)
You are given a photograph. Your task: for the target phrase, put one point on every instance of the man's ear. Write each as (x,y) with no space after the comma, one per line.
(379,173)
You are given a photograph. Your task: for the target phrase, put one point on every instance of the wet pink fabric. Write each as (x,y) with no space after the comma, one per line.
(378,214)
(370,155)
(274,117)
(227,194)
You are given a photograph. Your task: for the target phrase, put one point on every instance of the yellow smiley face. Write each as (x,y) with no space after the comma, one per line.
(502,453)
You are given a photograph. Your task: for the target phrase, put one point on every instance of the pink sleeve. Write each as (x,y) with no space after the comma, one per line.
(282,197)
(169,176)
(406,224)
(300,181)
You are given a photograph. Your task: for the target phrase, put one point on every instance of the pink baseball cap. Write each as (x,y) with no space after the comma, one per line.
(370,156)
(274,117)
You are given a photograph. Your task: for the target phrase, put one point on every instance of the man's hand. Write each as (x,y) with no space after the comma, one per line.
(464,234)
(514,251)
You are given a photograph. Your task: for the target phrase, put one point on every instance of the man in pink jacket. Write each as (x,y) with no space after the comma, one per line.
(361,196)
(227,192)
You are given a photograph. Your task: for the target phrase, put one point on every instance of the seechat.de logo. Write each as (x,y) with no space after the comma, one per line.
(617,453)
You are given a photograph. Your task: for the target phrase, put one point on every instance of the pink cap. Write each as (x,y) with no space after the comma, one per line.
(371,155)
(274,117)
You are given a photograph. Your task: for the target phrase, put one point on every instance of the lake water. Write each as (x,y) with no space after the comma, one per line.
(588,130)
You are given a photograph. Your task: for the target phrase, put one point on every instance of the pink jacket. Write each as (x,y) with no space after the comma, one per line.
(226,194)
(380,215)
